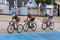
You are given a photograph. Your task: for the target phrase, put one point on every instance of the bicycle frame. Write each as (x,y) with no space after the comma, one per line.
(47,22)
(13,24)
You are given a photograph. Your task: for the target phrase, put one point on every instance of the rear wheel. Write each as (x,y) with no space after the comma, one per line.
(19,28)
(34,26)
(51,26)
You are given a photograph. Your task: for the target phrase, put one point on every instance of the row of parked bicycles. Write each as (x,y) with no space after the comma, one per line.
(33,26)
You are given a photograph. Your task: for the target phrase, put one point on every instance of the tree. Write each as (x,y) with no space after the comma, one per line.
(45,1)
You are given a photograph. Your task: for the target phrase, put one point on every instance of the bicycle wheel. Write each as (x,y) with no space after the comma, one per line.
(44,26)
(25,27)
(19,28)
(10,29)
(51,26)
(34,26)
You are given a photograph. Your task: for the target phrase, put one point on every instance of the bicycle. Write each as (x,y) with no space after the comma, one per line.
(47,23)
(12,26)
(32,26)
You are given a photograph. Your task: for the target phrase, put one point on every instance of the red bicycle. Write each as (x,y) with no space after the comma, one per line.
(47,23)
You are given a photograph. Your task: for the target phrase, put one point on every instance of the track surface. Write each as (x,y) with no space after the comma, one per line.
(31,36)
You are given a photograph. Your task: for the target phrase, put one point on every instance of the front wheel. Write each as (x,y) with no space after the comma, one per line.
(51,26)
(34,26)
(10,29)
(19,28)
(44,26)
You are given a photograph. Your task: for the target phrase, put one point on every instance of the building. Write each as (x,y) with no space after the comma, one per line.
(25,6)
(4,7)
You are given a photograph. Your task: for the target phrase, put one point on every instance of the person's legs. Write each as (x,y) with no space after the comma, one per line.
(28,21)
(45,18)
(32,19)
(50,18)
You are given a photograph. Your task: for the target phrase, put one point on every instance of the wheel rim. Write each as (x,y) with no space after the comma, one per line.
(44,25)
(51,25)
(20,28)
(10,29)
(25,27)
(34,28)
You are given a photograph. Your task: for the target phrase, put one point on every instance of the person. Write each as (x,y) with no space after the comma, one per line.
(15,18)
(48,14)
(30,18)
(42,8)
